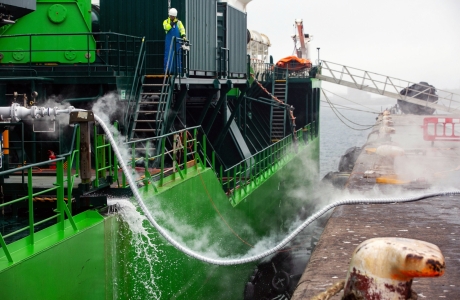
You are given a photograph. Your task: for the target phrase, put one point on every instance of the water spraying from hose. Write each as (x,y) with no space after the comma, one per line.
(268,252)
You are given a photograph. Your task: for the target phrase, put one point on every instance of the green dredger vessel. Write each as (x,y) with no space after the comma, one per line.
(214,146)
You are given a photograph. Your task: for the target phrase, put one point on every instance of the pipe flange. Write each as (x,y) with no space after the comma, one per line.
(14,112)
(34,112)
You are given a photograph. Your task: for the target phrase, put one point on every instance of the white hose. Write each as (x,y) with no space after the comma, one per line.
(273,250)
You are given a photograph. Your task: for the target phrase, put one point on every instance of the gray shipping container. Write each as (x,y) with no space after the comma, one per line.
(201,27)
(237,41)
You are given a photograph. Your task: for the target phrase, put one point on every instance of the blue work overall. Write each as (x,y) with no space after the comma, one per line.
(174,32)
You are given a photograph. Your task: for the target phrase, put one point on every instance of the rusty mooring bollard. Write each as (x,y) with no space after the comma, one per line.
(383,268)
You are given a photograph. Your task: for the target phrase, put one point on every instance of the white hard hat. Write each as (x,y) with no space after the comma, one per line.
(173,12)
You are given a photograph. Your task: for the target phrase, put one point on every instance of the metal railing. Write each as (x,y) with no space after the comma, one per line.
(184,149)
(267,71)
(291,72)
(136,87)
(102,156)
(63,210)
(118,53)
(389,86)
(179,148)
(262,71)
(241,179)
(155,55)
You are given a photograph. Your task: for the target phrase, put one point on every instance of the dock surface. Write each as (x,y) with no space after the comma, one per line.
(425,167)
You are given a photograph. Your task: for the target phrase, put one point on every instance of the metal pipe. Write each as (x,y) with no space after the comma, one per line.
(15,112)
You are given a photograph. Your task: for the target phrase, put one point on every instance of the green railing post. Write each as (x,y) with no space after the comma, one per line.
(228,181)
(109,146)
(267,162)
(31,206)
(256,168)
(60,194)
(269,159)
(264,162)
(221,171)
(234,180)
(5,249)
(133,158)
(203,165)
(115,159)
(250,171)
(96,156)
(195,148)
(162,168)
(69,182)
(146,165)
(185,150)
(241,185)
(175,165)
(213,162)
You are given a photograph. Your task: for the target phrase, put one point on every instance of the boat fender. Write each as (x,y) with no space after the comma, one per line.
(348,160)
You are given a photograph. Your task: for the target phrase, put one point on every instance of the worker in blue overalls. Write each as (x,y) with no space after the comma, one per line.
(173,28)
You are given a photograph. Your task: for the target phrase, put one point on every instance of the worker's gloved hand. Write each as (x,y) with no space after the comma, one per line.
(184,37)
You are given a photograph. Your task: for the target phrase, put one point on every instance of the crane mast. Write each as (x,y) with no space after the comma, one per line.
(301,40)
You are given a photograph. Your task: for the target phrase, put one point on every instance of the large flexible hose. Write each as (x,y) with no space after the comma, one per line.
(273,250)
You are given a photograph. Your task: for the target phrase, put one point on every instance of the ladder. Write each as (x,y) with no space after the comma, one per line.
(387,86)
(278,114)
(149,113)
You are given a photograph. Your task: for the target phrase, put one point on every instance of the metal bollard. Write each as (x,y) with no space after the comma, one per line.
(383,268)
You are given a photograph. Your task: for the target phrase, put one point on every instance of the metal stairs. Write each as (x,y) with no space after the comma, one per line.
(278,114)
(149,113)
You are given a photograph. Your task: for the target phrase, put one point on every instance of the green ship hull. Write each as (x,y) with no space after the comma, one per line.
(224,153)
(106,260)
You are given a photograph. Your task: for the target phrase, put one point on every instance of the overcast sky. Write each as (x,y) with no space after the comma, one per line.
(414,40)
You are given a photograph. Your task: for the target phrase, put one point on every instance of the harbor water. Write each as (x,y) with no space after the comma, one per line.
(336,137)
